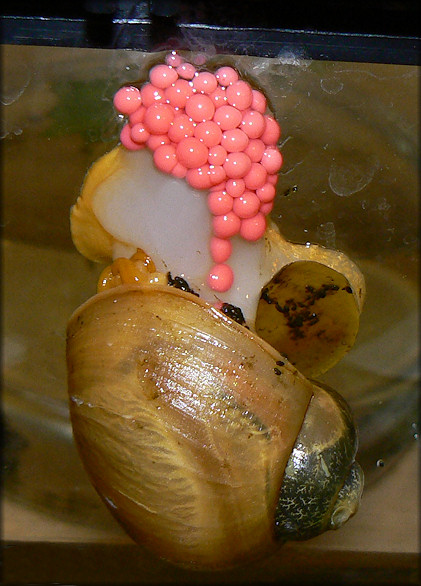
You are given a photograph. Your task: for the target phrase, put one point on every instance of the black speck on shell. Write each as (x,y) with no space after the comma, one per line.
(233,312)
(180,283)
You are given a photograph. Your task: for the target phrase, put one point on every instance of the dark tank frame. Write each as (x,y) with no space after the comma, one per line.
(374,32)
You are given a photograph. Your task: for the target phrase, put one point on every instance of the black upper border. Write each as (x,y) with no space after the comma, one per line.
(380,32)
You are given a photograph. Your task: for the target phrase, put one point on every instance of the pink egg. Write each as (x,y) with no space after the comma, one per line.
(127,100)
(226,225)
(218,97)
(220,249)
(127,141)
(219,202)
(179,171)
(156,140)
(259,101)
(221,278)
(226,75)
(173,59)
(200,108)
(186,70)
(200,58)
(151,94)
(217,174)
(205,82)
(227,117)
(218,186)
(138,133)
(158,118)
(181,127)
(178,93)
(137,116)
(247,205)
(234,140)
(217,155)
(239,95)
(266,193)
(199,178)
(272,131)
(235,187)
(272,160)
(273,179)
(192,153)
(237,165)
(162,76)
(208,132)
(165,158)
(255,149)
(256,176)
(253,123)
(266,208)
(253,229)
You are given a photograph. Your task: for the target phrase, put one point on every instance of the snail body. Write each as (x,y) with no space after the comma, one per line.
(206,438)
(188,425)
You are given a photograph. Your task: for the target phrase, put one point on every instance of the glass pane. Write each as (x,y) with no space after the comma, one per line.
(349,181)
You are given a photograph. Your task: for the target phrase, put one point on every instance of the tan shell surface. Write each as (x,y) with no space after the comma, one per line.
(182,422)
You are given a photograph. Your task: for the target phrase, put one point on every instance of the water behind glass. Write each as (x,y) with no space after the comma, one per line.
(349,181)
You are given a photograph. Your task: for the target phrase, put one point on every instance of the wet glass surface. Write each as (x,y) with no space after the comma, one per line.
(349,181)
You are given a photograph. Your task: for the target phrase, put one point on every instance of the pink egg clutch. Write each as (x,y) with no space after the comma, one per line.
(212,130)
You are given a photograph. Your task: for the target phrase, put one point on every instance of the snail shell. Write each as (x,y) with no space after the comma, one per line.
(205,443)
